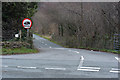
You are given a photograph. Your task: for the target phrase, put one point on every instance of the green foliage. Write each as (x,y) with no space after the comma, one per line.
(118,52)
(22,50)
(88,48)
(13,13)
(17,10)
(103,50)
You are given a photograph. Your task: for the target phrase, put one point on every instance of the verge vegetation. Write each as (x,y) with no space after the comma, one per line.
(12,47)
(13,15)
(88,48)
(22,50)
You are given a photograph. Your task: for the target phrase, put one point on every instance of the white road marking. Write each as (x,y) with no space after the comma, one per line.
(73,51)
(5,66)
(117,59)
(88,70)
(76,51)
(59,48)
(81,62)
(22,67)
(82,58)
(56,68)
(94,69)
(50,47)
(115,70)
(90,67)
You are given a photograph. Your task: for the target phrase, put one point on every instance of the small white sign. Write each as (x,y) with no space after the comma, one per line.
(16,35)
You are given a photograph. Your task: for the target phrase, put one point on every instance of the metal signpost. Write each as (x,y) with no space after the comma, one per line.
(27,23)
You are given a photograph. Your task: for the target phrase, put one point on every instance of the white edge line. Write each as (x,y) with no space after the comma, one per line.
(114,71)
(90,67)
(56,68)
(87,70)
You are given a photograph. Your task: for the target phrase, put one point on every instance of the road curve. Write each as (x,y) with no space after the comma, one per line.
(54,61)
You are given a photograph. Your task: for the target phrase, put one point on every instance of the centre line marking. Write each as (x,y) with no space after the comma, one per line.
(56,68)
(60,48)
(5,66)
(76,51)
(117,59)
(26,67)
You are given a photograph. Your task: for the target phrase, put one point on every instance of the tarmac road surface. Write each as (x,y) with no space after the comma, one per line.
(54,61)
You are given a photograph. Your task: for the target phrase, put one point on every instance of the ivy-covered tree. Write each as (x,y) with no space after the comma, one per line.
(12,15)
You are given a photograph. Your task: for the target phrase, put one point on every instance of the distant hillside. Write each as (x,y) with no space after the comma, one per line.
(78,24)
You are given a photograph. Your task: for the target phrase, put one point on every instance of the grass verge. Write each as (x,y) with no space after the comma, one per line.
(102,50)
(23,50)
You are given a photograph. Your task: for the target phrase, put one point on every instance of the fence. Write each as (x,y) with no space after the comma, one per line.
(117,41)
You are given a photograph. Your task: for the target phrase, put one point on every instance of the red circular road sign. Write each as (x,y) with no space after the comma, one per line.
(27,23)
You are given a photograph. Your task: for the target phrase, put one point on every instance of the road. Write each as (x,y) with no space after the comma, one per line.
(54,61)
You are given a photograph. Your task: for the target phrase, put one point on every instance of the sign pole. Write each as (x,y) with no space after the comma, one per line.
(27,23)
(20,34)
(27,33)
